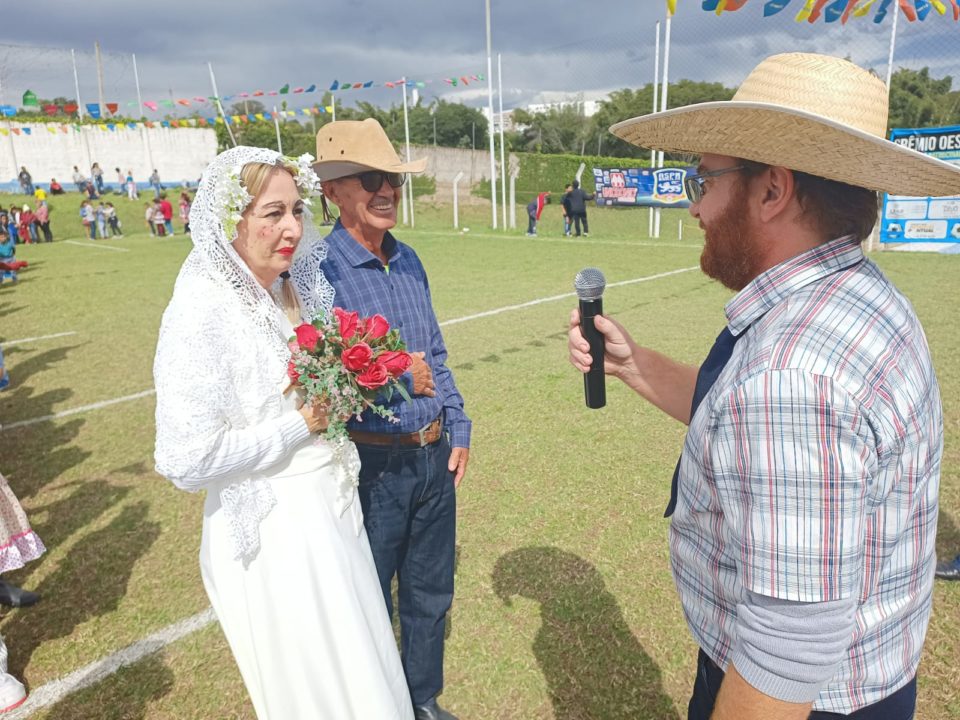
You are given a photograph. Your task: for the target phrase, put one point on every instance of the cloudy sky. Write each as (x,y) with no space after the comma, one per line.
(550,50)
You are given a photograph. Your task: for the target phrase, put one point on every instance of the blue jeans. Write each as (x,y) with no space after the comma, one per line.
(901,705)
(410,513)
(169,225)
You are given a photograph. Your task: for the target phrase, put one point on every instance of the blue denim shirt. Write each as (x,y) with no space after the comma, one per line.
(400,292)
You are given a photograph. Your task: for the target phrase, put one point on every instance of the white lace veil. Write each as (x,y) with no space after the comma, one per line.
(217,208)
(214,214)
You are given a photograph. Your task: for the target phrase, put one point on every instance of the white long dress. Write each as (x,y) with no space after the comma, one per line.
(304,615)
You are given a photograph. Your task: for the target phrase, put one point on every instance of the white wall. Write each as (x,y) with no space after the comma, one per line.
(179,154)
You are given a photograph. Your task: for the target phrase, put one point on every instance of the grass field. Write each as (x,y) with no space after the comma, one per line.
(565,606)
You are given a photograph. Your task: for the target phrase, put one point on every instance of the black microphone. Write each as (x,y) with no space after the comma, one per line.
(589,285)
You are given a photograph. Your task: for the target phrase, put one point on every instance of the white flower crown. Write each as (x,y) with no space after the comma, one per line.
(232,197)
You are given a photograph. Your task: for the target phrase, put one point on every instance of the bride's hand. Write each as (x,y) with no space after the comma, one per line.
(316,417)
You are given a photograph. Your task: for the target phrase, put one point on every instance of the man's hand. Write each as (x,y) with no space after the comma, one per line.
(619,348)
(458,463)
(422,376)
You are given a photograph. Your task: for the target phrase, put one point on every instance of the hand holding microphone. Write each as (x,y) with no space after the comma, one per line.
(589,284)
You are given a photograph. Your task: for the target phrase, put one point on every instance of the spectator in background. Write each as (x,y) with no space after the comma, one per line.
(113,222)
(167,209)
(43,221)
(155,183)
(148,217)
(40,194)
(4,221)
(101,222)
(97,172)
(55,187)
(185,211)
(92,193)
(578,208)
(159,221)
(121,181)
(79,180)
(534,210)
(13,223)
(565,209)
(8,261)
(26,181)
(89,218)
(28,230)
(132,193)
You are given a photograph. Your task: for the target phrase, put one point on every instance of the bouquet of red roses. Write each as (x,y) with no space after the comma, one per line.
(345,362)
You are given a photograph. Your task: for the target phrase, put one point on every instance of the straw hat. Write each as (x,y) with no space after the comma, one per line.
(347,147)
(817,114)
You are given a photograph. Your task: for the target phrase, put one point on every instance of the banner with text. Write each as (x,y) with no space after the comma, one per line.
(641,187)
(913,219)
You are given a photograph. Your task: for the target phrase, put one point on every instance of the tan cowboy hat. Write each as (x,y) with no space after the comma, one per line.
(347,147)
(817,114)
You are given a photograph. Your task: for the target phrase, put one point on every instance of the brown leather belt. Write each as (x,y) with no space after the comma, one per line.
(426,435)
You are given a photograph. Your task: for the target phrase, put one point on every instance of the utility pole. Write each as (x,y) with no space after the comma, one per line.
(103,105)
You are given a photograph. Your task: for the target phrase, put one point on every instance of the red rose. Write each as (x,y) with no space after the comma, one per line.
(396,362)
(377,326)
(292,372)
(373,377)
(307,336)
(357,357)
(348,322)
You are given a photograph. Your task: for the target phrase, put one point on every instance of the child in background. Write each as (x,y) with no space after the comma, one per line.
(8,259)
(89,218)
(13,223)
(101,221)
(110,213)
(159,221)
(185,211)
(148,217)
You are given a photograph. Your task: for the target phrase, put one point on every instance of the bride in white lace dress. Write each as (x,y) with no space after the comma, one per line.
(283,556)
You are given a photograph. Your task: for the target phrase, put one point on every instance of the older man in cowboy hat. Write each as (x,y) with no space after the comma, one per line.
(410,469)
(804,503)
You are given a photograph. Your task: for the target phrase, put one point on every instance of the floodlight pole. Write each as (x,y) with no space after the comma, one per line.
(503,162)
(144,130)
(656,85)
(276,127)
(216,97)
(493,155)
(513,197)
(76,85)
(456,199)
(665,86)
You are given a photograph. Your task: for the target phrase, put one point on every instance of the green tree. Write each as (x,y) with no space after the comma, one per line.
(628,103)
(918,100)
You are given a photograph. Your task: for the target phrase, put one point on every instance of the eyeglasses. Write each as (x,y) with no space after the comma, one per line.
(695,184)
(372,180)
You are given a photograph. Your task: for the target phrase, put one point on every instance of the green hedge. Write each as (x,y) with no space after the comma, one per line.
(551,173)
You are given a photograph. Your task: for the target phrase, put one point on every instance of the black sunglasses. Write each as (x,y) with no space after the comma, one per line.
(694,184)
(372,180)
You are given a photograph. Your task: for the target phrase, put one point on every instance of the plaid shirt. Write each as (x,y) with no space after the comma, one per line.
(400,292)
(810,471)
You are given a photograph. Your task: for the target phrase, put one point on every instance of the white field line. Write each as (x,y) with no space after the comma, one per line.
(8,343)
(452,321)
(94,245)
(81,409)
(56,690)
(564,296)
(568,240)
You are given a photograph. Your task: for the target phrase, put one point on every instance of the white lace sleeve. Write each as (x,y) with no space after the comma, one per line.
(196,443)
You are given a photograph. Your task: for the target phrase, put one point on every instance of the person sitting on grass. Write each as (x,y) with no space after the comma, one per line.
(9,265)
(55,187)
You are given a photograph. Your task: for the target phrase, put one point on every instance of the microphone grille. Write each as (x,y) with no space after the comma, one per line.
(589,284)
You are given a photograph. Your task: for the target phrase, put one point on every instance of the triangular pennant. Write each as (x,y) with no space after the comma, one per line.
(174,123)
(132,126)
(184,102)
(334,86)
(16,130)
(93,110)
(285,89)
(298,90)
(201,122)
(70,108)
(4,132)
(52,129)
(30,99)
(258,93)
(199,99)
(111,127)
(51,109)
(311,88)
(150,105)
(258,116)
(28,131)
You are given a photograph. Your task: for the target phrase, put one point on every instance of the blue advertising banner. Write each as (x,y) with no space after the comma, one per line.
(641,187)
(913,219)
